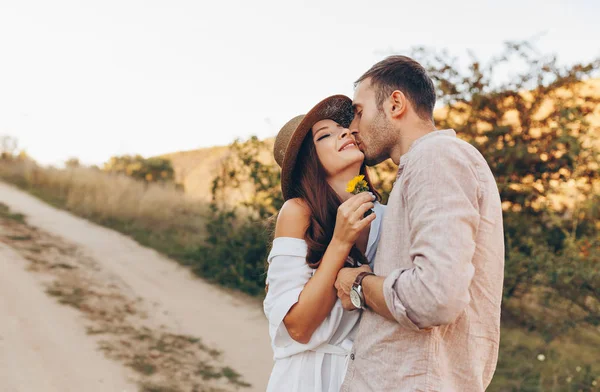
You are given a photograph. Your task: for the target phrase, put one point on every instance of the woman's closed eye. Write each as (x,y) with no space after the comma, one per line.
(323,137)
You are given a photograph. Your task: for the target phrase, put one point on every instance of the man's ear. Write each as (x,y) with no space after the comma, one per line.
(398,104)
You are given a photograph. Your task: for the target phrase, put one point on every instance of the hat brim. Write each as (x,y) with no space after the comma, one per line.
(337,108)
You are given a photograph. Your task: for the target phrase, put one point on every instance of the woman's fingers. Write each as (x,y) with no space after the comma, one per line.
(364,197)
(360,212)
(356,201)
(366,221)
(350,217)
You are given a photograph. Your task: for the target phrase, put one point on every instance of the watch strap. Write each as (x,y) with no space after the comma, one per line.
(360,277)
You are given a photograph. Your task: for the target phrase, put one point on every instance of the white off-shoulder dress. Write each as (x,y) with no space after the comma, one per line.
(320,365)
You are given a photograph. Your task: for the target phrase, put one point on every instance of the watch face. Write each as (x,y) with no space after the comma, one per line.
(355,298)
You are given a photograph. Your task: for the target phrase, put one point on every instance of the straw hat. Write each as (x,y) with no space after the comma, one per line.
(289,139)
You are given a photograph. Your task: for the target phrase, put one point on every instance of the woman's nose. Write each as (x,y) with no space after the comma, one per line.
(345,132)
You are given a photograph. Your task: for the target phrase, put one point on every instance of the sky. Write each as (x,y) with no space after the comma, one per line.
(93,79)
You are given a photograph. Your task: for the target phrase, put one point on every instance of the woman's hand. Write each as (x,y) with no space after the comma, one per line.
(345,280)
(350,220)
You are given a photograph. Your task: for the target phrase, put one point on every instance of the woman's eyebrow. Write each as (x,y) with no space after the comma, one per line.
(320,129)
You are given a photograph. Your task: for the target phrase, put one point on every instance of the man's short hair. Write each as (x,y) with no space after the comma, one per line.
(404,74)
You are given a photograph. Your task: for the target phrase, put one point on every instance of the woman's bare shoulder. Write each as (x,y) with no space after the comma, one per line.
(293,219)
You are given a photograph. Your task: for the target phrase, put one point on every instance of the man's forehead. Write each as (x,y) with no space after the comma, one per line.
(359,92)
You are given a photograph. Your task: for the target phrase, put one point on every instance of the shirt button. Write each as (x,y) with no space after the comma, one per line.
(352,357)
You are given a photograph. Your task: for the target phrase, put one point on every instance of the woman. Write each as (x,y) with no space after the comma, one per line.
(320,229)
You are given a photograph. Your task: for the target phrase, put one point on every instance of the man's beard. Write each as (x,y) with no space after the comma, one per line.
(378,149)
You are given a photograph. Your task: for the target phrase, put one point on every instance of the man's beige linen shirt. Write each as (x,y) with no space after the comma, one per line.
(442,253)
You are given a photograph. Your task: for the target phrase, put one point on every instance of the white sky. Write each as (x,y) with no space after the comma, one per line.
(92,79)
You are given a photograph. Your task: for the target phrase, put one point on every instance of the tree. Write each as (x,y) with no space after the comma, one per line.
(533,129)
(245,198)
(8,147)
(249,176)
(145,169)
(72,163)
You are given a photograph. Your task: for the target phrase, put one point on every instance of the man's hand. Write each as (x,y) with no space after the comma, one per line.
(344,281)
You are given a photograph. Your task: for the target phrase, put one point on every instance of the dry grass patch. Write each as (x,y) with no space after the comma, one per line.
(154,214)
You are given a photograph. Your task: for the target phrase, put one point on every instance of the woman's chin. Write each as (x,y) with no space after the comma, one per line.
(347,160)
(357,156)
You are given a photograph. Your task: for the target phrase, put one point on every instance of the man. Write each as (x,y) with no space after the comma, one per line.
(432,309)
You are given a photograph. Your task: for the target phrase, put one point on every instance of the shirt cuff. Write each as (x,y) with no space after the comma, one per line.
(393,302)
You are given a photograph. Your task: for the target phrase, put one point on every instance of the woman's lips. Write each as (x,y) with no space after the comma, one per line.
(347,145)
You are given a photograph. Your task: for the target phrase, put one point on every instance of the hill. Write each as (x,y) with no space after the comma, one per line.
(196,169)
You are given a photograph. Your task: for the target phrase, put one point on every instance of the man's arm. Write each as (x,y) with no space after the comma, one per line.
(372,286)
(373,291)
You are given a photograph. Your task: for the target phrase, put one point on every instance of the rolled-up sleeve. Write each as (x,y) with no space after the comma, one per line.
(441,189)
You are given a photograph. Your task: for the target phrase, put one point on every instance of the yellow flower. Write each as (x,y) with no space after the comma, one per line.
(351,187)
(357,185)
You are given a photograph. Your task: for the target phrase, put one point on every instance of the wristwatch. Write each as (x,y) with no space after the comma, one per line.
(356,292)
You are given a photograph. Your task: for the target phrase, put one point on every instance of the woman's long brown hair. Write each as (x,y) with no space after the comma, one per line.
(310,184)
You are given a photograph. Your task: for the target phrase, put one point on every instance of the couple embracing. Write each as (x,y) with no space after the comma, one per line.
(405,297)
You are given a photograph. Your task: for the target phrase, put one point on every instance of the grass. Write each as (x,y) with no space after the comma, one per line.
(20,237)
(63,266)
(140,365)
(153,387)
(155,215)
(73,298)
(208,372)
(233,377)
(528,363)
(5,213)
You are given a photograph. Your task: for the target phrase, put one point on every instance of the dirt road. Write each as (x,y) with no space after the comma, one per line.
(42,344)
(127,318)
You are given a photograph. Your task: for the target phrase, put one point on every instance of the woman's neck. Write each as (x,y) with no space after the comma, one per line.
(339,182)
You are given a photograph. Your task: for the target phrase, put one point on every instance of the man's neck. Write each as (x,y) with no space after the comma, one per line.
(406,139)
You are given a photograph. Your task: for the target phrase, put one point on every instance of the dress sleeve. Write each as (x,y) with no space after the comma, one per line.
(286,276)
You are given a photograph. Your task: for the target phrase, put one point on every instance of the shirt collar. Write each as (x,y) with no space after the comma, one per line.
(446,132)
(404,158)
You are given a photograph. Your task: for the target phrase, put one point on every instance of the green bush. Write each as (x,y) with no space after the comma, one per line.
(234,253)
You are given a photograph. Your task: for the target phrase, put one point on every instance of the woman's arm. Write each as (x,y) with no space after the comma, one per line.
(319,295)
